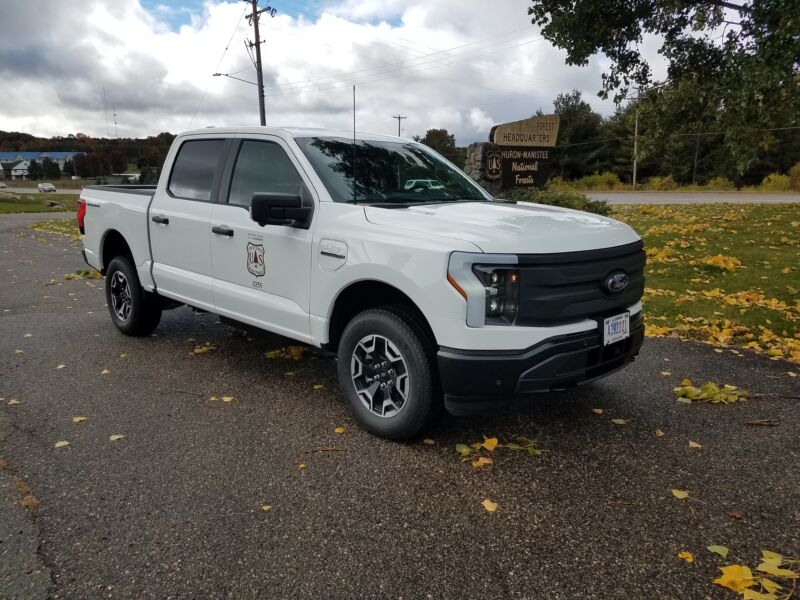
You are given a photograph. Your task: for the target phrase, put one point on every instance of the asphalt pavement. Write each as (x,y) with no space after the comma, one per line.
(174,509)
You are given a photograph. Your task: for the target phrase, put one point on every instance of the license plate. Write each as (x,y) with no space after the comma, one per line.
(616,328)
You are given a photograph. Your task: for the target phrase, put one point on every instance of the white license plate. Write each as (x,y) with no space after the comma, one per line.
(616,328)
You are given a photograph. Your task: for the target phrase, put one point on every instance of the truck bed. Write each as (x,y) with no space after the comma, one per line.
(141,190)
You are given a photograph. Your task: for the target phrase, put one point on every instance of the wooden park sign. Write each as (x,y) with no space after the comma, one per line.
(523,156)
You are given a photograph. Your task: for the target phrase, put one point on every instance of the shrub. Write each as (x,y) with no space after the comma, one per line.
(557,184)
(565,199)
(775,182)
(794,176)
(720,184)
(661,184)
(599,181)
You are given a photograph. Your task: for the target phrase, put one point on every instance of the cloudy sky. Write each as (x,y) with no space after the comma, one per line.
(459,64)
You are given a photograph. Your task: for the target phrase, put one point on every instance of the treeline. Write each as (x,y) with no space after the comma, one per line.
(588,143)
(102,155)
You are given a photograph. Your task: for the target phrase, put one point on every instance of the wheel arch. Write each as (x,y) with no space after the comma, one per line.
(364,294)
(113,244)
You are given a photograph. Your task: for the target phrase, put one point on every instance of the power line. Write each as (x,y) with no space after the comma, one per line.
(219,62)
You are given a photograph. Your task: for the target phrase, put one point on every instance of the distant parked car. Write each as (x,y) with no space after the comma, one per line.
(3,185)
(46,187)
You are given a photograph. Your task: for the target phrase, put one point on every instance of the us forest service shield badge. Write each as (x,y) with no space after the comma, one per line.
(255,259)
(493,165)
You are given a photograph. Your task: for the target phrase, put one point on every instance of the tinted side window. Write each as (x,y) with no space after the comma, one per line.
(262,167)
(194,168)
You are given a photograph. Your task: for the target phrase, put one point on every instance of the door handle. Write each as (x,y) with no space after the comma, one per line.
(222,230)
(161,220)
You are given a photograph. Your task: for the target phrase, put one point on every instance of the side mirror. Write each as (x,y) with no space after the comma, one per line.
(278,209)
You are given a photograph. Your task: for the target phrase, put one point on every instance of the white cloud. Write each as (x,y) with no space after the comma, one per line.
(453,63)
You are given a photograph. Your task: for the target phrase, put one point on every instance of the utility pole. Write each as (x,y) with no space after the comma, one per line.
(636,136)
(399,118)
(253,19)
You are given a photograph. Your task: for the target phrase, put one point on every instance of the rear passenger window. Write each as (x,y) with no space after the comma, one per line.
(262,167)
(194,168)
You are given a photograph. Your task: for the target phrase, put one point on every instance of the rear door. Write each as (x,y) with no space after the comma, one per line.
(261,274)
(179,222)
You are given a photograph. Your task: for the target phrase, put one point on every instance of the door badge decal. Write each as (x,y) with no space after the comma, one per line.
(255,259)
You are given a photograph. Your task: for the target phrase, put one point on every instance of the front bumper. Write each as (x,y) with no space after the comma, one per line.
(475,380)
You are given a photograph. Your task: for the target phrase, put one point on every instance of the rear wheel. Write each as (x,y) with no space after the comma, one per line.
(386,374)
(132,311)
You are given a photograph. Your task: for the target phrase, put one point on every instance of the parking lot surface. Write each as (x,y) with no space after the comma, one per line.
(175,508)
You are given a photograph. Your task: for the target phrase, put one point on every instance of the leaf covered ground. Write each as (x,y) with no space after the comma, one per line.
(727,275)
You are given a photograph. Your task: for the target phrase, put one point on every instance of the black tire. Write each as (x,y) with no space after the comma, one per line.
(390,333)
(137,314)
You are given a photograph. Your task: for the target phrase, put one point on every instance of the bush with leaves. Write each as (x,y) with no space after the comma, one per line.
(775,182)
(720,184)
(794,176)
(599,181)
(661,184)
(554,198)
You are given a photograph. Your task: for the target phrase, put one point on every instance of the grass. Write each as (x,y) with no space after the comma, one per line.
(724,274)
(31,203)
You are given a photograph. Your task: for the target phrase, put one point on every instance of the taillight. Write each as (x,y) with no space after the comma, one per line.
(81,214)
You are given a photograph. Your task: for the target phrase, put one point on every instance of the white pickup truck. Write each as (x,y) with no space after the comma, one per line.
(433,296)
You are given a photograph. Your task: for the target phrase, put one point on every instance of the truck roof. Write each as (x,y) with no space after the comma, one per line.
(294,132)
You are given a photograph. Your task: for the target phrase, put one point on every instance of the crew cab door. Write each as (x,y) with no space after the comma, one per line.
(261,274)
(179,222)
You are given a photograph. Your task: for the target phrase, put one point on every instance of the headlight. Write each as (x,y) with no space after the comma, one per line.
(502,293)
(490,285)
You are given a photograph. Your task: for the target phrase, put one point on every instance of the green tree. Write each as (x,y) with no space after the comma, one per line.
(440,140)
(34,170)
(578,131)
(732,65)
(50,169)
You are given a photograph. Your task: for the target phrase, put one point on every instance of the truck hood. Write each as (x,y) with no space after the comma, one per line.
(524,228)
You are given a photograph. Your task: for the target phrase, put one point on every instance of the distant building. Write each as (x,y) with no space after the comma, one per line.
(17,169)
(59,158)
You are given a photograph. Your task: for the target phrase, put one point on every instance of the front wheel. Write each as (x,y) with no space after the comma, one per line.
(131,310)
(386,374)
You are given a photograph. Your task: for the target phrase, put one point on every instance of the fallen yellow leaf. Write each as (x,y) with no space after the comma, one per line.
(490,443)
(721,550)
(18,352)
(687,556)
(770,585)
(735,577)
(266,507)
(78,420)
(227,398)
(680,494)
(598,411)
(754,595)
(13,401)
(694,445)
(791,373)
(339,430)
(619,421)
(61,367)
(301,466)
(105,372)
(428,441)
(659,433)
(318,386)
(115,437)
(213,398)
(489,505)
(666,373)
(62,444)
(482,461)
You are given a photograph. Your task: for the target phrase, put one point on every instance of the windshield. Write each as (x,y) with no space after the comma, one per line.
(386,172)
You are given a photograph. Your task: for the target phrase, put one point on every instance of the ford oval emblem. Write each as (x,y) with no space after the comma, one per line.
(616,282)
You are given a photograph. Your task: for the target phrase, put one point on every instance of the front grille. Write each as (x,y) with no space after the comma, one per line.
(569,286)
